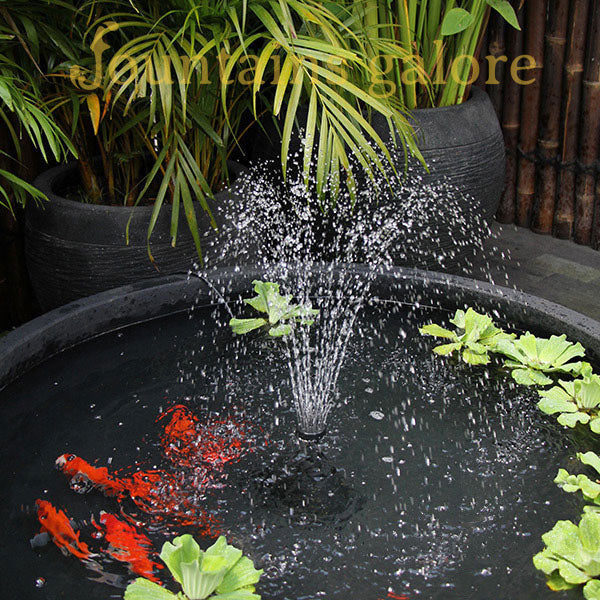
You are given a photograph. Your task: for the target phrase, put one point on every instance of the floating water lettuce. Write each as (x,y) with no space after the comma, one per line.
(475,337)
(280,311)
(572,556)
(582,483)
(576,401)
(219,573)
(530,357)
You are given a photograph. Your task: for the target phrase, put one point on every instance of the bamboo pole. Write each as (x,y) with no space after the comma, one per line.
(497,48)
(564,216)
(534,46)
(589,143)
(549,138)
(511,123)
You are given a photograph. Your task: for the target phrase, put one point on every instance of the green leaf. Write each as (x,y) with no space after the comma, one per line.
(458,319)
(143,589)
(242,326)
(556,583)
(280,330)
(446,349)
(530,377)
(473,358)
(545,561)
(556,405)
(571,419)
(242,575)
(202,576)
(183,549)
(588,392)
(269,300)
(476,336)
(506,10)
(591,590)
(570,573)
(564,543)
(221,548)
(280,311)
(456,20)
(589,533)
(590,459)
(237,595)
(222,567)
(437,331)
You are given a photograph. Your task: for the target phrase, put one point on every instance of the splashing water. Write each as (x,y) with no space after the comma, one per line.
(312,251)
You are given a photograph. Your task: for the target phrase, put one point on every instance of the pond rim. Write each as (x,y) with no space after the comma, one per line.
(85,319)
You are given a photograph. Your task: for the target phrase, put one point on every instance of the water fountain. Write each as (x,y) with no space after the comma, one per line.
(429,482)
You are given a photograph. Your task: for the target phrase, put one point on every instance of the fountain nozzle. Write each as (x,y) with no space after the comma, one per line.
(306,436)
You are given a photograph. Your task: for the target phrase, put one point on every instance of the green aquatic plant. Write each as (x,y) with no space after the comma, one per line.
(219,573)
(280,312)
(475,336)
(575,402)
(572,556)
(582,483)
(530,357)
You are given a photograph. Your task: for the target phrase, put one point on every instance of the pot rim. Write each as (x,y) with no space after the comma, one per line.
(85,319)
(45,181)
(476,96)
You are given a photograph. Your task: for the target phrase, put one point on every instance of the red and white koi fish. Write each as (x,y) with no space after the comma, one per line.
(58,526)
(127,545)
(145,488)
(84,476)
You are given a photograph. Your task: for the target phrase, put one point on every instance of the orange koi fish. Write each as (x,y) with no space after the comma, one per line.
(84,476)
(57,525)
(128,545)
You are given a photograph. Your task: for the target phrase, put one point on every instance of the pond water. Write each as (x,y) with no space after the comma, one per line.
(435,480)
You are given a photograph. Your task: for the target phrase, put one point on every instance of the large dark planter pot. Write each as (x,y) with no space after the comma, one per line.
(86,363)
(463,148)
(75,250)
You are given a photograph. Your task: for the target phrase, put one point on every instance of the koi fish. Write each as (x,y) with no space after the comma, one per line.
(57,525)
(150,490)
(180,435)
(85,477)
(186,442)
(128,545)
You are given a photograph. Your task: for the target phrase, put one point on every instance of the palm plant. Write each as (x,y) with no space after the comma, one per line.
(168,101)
(226,57)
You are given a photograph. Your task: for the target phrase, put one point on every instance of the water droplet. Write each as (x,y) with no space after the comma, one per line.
(377,415)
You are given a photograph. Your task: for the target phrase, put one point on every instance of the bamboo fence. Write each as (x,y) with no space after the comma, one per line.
(552,126)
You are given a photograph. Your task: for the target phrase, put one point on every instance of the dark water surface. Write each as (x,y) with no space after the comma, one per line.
(434,481)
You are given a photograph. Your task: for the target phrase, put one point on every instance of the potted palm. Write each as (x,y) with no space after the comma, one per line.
(118,213)
(156,96)
(422,53)
(457,129)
